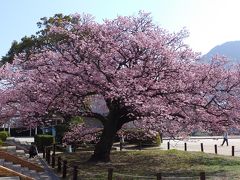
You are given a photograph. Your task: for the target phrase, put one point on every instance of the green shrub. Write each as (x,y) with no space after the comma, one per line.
(43,140)
(4,135)
(1,142)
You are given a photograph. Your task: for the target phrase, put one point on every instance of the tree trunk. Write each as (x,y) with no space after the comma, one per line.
(103,147)
(118,115)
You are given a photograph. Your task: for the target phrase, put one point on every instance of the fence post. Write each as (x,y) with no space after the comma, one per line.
(140,145)
(44,152)
(48,156)
(59,164)
(168,145)
(110,173)
(53,160)
(75,172)
(202,176)
(202,147)
(64,172)
(159,176)
(54,148)
(232,150)
(45,149)
(185,146)
(215,147)
(121,146)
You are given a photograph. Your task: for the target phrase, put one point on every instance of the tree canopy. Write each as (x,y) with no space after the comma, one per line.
(143,73)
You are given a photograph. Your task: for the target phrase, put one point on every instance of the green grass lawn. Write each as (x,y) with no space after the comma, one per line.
(148,163)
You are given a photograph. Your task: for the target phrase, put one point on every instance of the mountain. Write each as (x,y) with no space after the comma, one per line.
(229,49)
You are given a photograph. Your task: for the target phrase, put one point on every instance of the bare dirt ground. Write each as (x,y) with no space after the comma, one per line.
(209,142)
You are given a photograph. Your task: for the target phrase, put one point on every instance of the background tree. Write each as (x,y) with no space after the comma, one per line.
(41,39)
(142,73)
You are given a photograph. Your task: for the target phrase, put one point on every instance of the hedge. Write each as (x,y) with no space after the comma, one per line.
(4,135)
(21,132)
(43,140)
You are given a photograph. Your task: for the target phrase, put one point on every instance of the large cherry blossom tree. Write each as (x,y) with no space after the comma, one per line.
(144,74)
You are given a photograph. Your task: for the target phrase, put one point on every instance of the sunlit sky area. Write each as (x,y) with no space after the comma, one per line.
(210,22)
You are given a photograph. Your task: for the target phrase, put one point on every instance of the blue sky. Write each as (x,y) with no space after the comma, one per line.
(210,22)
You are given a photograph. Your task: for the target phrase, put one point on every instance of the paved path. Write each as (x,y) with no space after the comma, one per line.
(194,144)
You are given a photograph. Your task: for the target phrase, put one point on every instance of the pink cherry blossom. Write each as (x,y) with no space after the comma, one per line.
(140,72)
